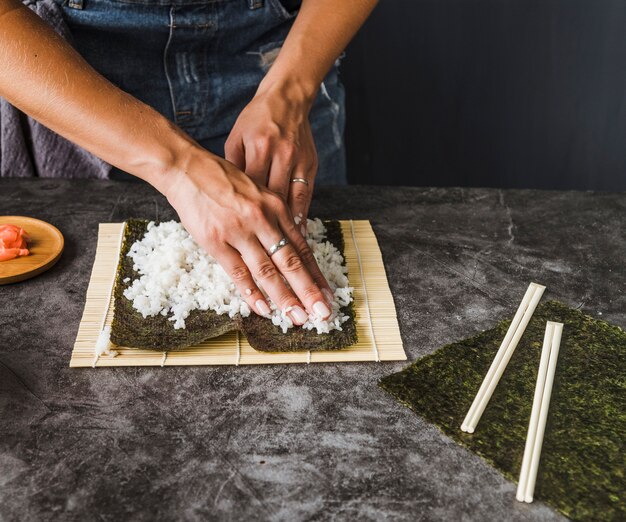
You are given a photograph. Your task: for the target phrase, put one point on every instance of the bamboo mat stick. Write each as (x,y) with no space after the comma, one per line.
(367,303)
(505,352)
(103,323)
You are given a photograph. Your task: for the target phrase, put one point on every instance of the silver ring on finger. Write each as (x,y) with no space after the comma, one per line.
(300,180)
(277,246)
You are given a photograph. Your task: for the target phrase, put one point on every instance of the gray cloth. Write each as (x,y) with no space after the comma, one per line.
(27,148)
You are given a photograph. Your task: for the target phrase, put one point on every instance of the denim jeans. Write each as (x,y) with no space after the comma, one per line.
(199,62)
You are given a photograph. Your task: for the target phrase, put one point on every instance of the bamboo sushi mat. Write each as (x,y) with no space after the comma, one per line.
(377,323)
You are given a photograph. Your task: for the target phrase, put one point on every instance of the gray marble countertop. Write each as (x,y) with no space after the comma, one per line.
(285,442)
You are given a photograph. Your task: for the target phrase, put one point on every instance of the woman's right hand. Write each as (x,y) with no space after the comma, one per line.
(237,222)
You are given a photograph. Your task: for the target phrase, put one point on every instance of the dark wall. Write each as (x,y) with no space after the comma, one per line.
(502,93)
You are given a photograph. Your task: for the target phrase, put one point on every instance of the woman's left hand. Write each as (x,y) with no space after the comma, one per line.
(272,143)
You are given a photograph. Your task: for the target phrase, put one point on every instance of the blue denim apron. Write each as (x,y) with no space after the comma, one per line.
(199,62)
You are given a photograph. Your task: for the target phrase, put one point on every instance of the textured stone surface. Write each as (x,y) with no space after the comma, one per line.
(288,442)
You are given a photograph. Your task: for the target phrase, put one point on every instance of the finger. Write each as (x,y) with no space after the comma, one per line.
(294,269)
(232,262)
(300,192)
(280,170)
(268,276)
(278,181)
(235,153)
(310,176)
(258,161)
(299,244)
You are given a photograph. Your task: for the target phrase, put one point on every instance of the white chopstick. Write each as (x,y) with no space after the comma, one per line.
(509,343)
(539,414)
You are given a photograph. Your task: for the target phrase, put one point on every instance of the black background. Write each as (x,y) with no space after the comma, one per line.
(498,93)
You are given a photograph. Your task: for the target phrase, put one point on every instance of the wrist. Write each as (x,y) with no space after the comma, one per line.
(164,161)
(193,169)
(295,89)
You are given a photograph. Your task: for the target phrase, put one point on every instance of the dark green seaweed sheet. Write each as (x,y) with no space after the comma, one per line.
(129,328)
(583,461)
(264,336)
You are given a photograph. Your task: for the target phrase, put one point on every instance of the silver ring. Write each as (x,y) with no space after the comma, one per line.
(300,180)
(275,248)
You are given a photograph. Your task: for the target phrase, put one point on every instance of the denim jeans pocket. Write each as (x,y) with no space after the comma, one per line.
(282,10)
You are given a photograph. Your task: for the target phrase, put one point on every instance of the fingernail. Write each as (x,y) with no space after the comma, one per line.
(303,230)
(262,307)
(321,309)
(328,295)
(298,315)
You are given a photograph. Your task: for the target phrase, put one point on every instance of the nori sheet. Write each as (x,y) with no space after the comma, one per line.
(129,328)
(263,338)
(583,460)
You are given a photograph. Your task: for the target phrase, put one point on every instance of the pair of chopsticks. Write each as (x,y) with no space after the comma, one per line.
(539,414)
(510,342)
(543,389)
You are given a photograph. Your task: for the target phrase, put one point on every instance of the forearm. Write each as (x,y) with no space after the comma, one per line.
(320,33)
(45,77)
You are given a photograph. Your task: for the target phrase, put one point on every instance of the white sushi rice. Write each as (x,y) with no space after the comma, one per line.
(178,276)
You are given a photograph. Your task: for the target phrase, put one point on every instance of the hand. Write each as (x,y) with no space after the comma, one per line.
(272,142)
(237,221)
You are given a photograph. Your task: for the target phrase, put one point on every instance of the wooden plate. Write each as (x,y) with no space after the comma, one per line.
(46,245)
